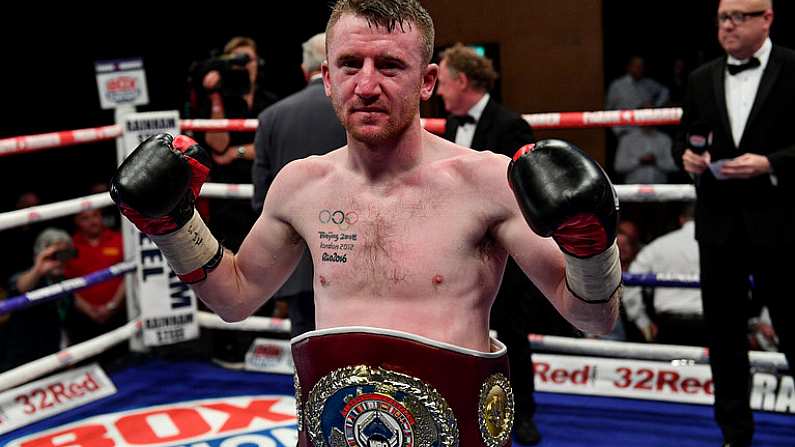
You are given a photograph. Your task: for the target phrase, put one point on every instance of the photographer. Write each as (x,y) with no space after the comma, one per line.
(35,332)
(230,86)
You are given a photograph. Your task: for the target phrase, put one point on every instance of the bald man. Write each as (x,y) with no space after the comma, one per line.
(738,145)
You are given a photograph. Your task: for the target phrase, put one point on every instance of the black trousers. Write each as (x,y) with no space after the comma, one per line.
(509,315)
(688,330)
(725,286)
(301,310)
(519,309)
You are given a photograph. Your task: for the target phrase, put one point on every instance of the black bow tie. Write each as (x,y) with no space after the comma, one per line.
(465,119)
(752,63)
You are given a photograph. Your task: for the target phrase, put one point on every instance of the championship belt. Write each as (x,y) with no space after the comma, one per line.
(369,387)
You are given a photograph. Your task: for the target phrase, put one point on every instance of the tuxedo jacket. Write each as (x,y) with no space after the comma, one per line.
(761,207)
(498,130)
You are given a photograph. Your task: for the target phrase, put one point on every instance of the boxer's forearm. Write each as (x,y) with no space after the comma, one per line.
(228,292)
(243,282)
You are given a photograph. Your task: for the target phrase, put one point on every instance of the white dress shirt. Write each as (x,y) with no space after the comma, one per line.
(674,252)
(466,132)
(637,143)
(741,90)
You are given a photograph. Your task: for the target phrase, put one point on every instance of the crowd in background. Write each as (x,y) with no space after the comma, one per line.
(637,155)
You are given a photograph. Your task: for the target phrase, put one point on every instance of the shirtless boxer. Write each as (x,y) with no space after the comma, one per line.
(409,235)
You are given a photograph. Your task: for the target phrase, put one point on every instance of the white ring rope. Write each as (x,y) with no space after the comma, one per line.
(552,120)
(656,193)
(89,348)
(252,323)
(227,190)
(55,210)
(69,356)
(11,219)
(644,351)
(50,211)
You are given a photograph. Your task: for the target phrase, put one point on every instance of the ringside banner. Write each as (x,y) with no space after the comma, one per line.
(168,306)
(261,420)
(54,395)
(121,83)
(679,381)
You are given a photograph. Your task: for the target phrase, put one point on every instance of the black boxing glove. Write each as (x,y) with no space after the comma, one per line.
(156,188)
(563,193)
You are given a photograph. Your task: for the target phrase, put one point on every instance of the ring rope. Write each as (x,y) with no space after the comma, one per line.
(252,323)
(18,218)
(55,210)
(644,351)
(69,356)
(679,280)
(32,143)
(89,348)
(539,121)
(65,287)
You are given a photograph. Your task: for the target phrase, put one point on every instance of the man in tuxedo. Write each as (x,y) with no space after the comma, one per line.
(298,126)
(737,143)
(477,121)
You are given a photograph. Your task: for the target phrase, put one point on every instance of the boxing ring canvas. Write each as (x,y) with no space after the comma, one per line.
(179,403)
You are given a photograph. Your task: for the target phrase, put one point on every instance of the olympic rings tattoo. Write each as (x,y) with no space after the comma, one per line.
(338,217)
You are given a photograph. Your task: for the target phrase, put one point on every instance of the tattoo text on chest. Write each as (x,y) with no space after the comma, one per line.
(339,237)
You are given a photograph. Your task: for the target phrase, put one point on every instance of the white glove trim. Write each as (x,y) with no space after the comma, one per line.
(190,247)
(595,279)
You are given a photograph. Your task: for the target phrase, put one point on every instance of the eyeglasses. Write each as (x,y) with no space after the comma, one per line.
(738,17)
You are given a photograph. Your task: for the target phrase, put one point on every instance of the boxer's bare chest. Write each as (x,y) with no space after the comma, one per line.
(406,240)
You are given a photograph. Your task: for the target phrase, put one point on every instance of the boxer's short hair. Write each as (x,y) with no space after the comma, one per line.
(388,14)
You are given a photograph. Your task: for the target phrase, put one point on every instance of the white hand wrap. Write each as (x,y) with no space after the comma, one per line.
(596,279)
(189,248)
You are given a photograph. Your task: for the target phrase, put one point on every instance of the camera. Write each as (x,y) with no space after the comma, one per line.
(65,254)
(235,79)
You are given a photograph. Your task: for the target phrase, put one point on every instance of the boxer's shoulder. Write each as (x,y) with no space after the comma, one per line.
(299,182)
(308,171)
(477,169)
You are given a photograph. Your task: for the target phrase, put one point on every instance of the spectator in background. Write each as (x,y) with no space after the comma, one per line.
(296,127)
(677,317)
(234,92)
(644,156)
(476,120)
(99,308)
(634,90)
(35,331)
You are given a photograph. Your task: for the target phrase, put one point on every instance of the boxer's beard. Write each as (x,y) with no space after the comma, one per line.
(400,116)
